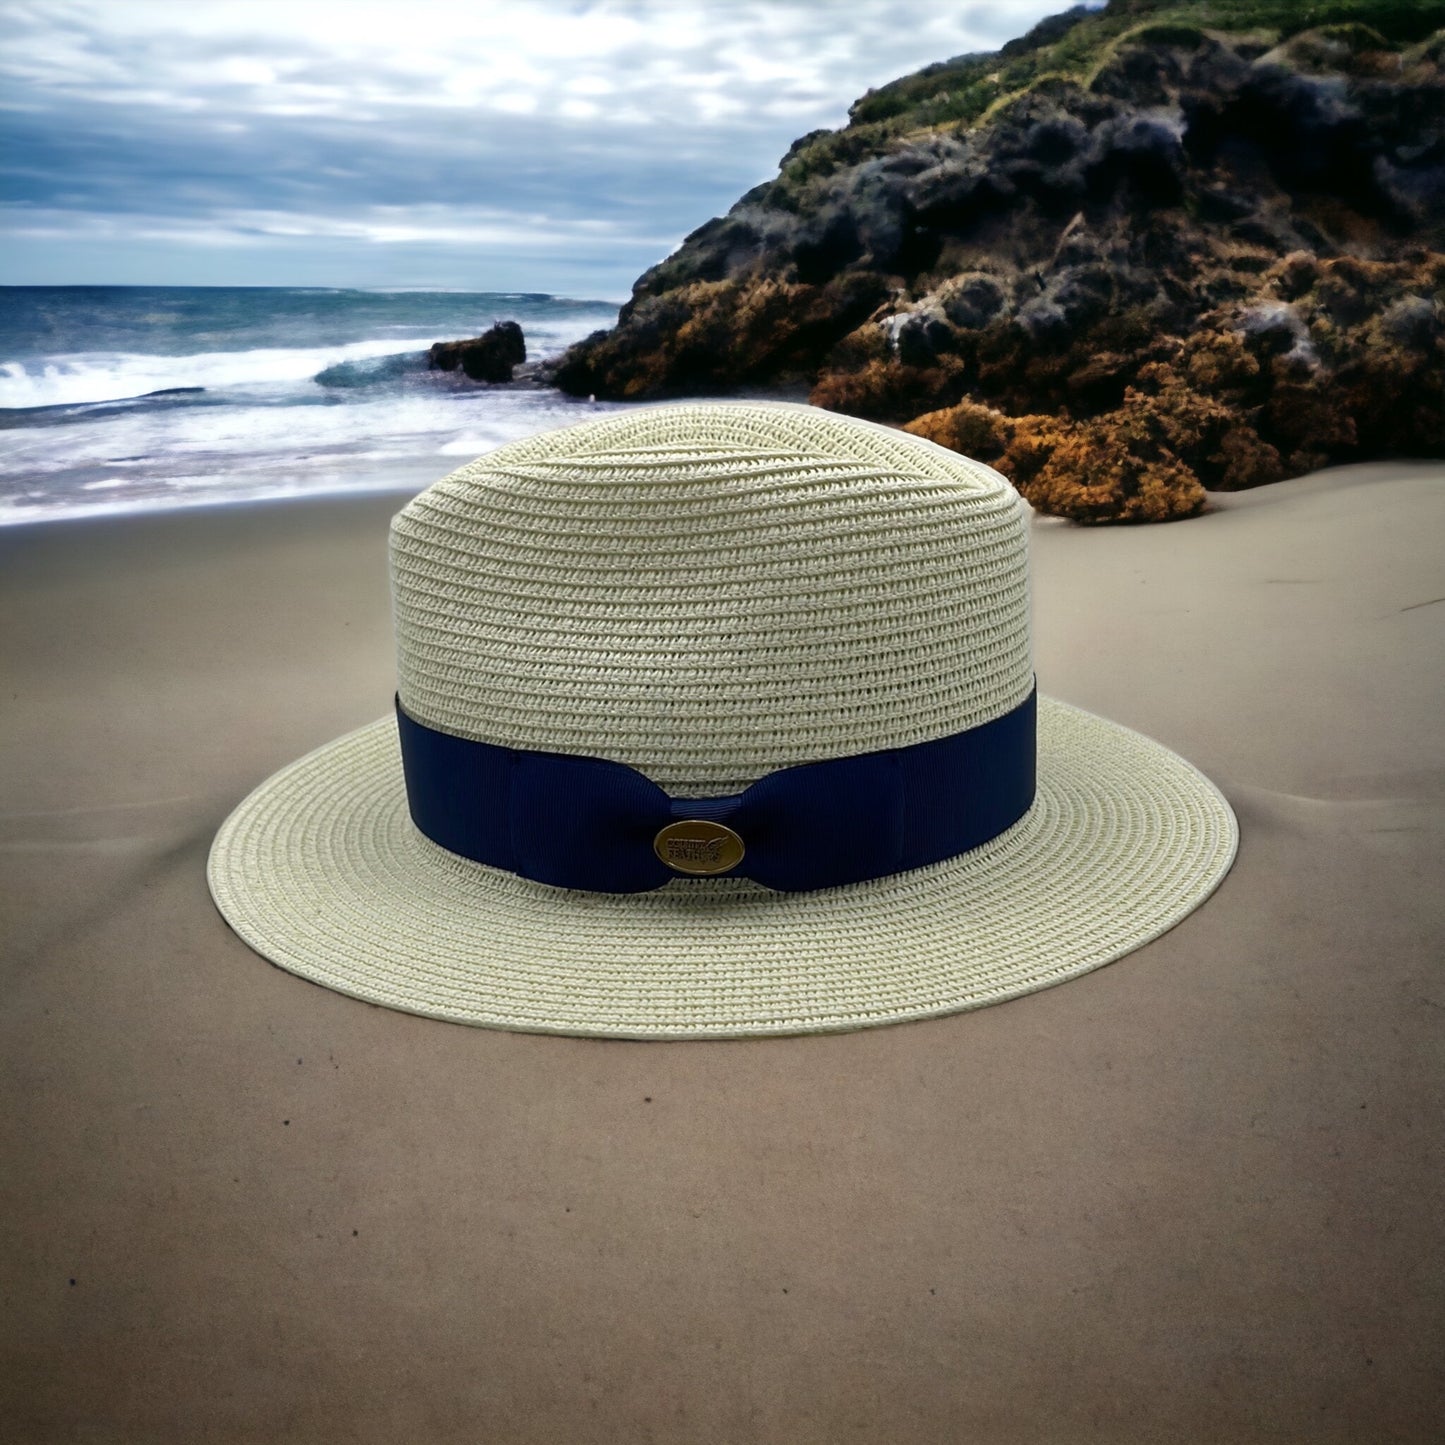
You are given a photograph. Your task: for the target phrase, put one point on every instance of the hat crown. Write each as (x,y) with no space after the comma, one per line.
(714,591)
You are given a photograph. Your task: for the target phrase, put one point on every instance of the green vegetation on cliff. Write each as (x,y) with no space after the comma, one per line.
(1076,43)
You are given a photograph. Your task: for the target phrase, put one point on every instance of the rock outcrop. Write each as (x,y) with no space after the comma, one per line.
(489,357)
(1129,258)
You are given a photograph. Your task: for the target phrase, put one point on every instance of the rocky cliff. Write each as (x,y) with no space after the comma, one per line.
(1142,252)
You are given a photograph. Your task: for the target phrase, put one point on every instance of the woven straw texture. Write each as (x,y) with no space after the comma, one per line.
(708,593)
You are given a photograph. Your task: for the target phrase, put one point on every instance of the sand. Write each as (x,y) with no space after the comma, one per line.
(1194,1196)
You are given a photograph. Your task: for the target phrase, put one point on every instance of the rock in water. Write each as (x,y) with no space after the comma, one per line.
(489,357)
(1126,259)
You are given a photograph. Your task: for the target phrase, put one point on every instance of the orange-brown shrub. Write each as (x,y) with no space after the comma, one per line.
(1292,275)
(976,431)
(1113,468)
(1032,443)
(1309,424)
(889,390)
(1351,289)
(1096,473)
(1213,438)
(1219,361)
(1244,459)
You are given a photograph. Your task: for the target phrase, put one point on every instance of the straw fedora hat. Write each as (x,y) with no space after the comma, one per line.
(716,720)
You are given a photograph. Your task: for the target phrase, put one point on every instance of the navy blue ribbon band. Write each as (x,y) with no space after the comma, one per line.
(589,823)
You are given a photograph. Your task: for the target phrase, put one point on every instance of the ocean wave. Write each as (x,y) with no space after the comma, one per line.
(61,413)
(119,376)
(374,371)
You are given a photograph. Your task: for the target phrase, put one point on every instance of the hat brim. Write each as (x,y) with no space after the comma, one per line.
(321,871)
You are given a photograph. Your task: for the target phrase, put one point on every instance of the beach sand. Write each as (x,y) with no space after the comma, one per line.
(1193,1196)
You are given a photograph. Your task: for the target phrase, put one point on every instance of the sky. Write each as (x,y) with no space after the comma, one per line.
(498,145)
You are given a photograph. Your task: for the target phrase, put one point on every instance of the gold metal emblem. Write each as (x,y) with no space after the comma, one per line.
(696,846)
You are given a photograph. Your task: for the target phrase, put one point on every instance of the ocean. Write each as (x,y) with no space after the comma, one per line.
(128,398)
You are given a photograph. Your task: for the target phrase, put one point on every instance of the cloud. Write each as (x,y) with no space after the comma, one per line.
(374,225)
(496,130)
